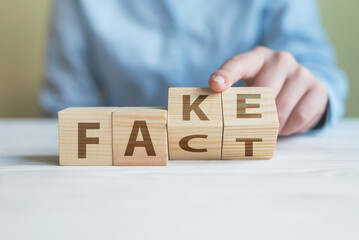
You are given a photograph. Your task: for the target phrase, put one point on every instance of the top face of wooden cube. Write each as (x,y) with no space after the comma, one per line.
(89,110)
(194,107)
(249,106)
(140,111)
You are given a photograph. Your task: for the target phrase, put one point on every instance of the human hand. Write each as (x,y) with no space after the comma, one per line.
(301,98)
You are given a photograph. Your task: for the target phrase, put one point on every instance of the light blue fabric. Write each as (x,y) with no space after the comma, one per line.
(129,52)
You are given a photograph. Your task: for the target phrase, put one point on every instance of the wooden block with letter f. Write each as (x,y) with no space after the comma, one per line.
(85,136)
(140,136)
(250,123)
(194,124)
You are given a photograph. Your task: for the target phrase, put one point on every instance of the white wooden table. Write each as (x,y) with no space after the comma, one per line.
(310,190)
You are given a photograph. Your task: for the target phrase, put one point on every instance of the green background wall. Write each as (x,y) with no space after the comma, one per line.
(23,27)
(341,19)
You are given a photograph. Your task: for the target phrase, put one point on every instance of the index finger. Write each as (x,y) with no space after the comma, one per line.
(242,66)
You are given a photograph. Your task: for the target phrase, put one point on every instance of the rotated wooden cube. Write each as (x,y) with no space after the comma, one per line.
(85,136)
(250,123)
(194,124)
(140,136)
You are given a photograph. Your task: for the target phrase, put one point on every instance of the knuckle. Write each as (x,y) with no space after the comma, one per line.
(235,58)
(261,49)
(284,57)
(321,88)
(301,115)
(303,74)
(265,52)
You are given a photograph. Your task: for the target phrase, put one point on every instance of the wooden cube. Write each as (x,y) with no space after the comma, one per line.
(194,124)
(250,123)
(85,136)
(140,136)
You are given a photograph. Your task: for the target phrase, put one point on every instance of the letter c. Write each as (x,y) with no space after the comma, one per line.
(183,143)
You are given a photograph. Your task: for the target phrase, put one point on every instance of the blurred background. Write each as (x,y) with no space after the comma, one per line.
(23,29)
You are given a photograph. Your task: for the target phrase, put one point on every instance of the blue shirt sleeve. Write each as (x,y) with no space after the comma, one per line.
(69,80)
(294,26)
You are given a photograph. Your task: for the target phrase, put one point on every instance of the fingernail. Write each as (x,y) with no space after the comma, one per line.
(219,79)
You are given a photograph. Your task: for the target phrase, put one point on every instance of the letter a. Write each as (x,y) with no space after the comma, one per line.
(146,143)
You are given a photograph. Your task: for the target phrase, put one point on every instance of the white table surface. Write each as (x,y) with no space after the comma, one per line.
(310,190)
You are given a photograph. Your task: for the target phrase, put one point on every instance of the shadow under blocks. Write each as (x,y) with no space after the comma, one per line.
(199,124)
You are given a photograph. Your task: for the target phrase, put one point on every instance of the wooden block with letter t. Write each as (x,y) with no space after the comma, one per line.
(194,124)
(85,136)
(250,123)
(140,136)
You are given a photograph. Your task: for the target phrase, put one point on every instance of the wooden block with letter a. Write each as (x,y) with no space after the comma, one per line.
(194,124)
(250,123)
(85,136)
(140,136)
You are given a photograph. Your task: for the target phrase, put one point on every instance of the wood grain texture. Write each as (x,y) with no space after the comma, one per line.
(258,120)
(95,154)
(152,149)
(203,123)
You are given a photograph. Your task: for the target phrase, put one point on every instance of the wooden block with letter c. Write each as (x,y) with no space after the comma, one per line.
(194,124)
(250,123)
(140,136)
(85,136)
